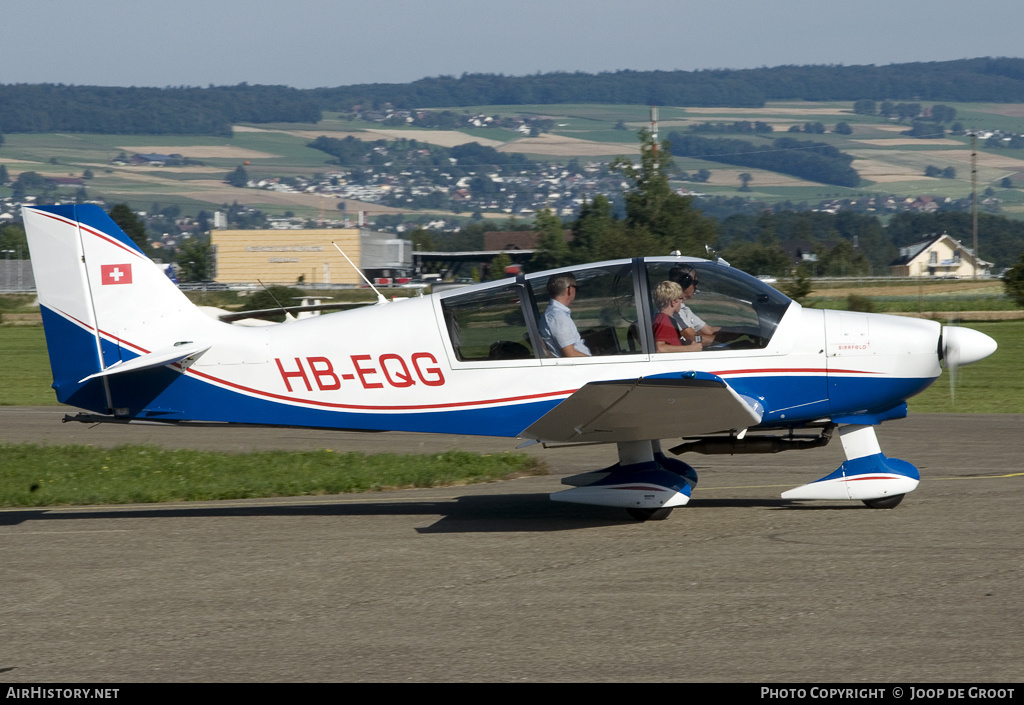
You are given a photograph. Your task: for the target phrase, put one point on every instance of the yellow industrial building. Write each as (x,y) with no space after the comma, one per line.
(286,256)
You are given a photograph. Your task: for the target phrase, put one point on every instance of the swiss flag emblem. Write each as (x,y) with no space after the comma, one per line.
(115,274)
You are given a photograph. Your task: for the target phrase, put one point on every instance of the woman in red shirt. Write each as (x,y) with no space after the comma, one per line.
(668,297)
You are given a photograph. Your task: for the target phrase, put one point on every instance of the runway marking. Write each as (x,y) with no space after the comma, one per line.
(983,477)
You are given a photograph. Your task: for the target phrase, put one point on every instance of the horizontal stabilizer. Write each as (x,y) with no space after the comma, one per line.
(666,406)
(159,358)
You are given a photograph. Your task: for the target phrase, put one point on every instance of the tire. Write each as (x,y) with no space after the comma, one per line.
(884,502)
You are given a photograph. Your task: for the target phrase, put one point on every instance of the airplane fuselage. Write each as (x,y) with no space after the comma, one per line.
(393,367)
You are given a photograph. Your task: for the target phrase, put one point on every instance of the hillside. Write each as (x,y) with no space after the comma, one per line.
(887,162)
(212,110)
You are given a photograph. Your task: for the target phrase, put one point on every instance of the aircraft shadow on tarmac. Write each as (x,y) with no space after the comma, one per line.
(466,514)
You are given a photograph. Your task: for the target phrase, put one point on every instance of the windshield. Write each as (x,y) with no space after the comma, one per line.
(742,310)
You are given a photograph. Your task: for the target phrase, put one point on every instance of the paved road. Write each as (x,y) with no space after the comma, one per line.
(496,583)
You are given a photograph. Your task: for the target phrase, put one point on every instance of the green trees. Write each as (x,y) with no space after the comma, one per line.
(30,182)
(759,258)
(935,172)
(1013,282)
(117,110)
(194,258)
(842,260)
(814,161)
(596,232)
(658,220)
(238,178)
(12,239)
(552,250)
(943,113)
(865,107)
(498,266)
(132,225)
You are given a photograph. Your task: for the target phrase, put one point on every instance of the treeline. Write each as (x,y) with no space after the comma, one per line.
(212,110)
(982,80)
(739,127)
(149,111)
(354,152)
(844,244)
(814,161)
(856,244)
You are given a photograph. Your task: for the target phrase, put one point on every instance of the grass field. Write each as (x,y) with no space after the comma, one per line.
(993,386)
(25,375)
(33,476)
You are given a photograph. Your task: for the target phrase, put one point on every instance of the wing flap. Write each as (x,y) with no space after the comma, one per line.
(647,408)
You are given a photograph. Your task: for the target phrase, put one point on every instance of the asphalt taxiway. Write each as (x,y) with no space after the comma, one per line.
(495,582)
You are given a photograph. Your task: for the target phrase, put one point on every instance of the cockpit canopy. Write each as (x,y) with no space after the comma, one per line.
(613,310)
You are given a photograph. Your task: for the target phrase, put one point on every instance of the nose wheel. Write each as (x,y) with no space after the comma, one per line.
(884,502)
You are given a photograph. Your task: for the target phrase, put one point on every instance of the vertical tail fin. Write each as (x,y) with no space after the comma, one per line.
(103,300)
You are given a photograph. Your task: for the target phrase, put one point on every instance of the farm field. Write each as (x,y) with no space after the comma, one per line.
(888,162)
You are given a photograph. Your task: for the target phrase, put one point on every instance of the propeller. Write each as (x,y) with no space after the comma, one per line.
(962,346)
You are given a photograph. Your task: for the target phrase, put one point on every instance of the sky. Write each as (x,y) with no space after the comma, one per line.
(314,43)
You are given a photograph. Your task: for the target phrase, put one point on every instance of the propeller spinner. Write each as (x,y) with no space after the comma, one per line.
(962,346)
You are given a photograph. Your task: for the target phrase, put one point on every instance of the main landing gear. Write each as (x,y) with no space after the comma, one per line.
(648,485)
(644,482)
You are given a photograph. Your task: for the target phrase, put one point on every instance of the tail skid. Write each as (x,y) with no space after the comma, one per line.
(98,290)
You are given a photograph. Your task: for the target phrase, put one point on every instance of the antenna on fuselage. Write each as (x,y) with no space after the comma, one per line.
(266,288)
(380,296)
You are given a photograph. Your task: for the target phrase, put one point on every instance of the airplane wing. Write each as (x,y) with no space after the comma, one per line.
(663,406)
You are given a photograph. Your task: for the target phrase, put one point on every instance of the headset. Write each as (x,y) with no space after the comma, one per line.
(684,279)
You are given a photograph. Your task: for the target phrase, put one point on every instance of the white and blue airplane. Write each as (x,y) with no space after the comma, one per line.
(127,346)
